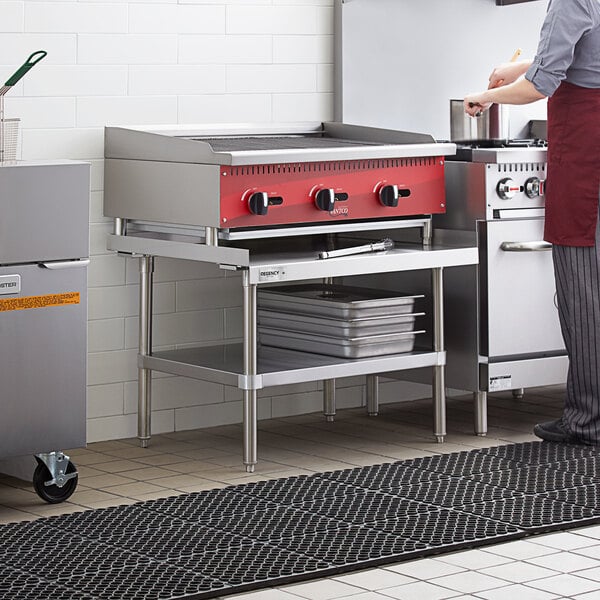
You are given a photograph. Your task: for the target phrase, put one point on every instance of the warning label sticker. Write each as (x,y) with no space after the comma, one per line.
(26,302)
(499,383)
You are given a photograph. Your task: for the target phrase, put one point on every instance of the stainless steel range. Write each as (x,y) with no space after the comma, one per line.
(502,322)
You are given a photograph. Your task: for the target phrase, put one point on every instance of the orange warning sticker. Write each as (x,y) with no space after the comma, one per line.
(25,302)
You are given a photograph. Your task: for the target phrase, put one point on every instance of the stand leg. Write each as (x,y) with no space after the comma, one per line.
(428,233)
(372,395)
(145,349)
(480,399)
(518,393)
(250,367)
(439,385)
(329,399)
(250,430)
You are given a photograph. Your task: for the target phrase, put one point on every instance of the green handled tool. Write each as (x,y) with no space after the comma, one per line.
(33,60)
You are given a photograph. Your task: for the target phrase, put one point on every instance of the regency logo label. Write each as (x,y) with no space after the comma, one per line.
(271,273)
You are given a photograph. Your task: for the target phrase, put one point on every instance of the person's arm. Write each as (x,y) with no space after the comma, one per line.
(521,91)
(565,23)
(507,73)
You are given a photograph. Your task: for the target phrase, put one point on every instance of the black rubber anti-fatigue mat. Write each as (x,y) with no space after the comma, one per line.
(267,534)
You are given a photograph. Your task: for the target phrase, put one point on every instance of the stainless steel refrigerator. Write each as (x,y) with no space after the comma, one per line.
(44,249)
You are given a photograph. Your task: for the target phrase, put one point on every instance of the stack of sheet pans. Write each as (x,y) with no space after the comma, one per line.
(337,320)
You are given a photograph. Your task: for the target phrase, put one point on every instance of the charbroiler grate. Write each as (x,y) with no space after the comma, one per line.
(241,144)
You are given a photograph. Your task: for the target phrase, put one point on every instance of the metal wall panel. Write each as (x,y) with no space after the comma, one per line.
(398,63)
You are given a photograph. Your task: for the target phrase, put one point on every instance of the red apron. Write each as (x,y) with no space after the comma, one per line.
(573,179)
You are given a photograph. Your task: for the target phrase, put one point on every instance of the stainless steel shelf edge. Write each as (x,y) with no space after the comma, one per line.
(183,250)
(355,367)
(272,268)
(303,368)
(299,266)
(187,369)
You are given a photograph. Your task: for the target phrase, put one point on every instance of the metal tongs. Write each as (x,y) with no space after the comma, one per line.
(12,80)
(385,244)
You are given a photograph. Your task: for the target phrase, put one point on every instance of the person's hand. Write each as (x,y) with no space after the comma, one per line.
(507,73)
(475,104)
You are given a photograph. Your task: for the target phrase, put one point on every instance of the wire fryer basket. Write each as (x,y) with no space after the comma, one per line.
(9,137)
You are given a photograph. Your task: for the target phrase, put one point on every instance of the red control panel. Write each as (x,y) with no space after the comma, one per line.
(315,192)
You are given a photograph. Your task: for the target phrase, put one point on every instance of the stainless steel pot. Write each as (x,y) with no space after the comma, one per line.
(493,124)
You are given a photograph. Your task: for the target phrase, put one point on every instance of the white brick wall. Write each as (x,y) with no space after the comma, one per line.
(157,62)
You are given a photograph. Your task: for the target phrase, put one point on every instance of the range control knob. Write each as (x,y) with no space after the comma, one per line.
(258,203)
(388,195)
(507,188)
(325,199)
(533,187)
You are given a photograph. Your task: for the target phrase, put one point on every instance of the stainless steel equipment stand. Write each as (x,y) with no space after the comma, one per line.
(243,367)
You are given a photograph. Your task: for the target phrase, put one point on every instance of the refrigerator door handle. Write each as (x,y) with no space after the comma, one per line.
(65,264)
(525,246)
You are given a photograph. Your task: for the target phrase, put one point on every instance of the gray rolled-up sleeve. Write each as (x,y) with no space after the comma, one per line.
(565,23)
(545,83)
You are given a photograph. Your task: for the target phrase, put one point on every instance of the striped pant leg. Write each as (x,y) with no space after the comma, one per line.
(577,274)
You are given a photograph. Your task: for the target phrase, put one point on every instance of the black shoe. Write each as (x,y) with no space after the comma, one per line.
(555,431)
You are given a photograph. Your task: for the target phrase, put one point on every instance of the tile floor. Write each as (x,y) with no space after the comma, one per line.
(544,567)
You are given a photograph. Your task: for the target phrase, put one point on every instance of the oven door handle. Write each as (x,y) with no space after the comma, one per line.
(538,246)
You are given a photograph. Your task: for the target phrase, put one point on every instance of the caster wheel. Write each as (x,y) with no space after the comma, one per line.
(52,493)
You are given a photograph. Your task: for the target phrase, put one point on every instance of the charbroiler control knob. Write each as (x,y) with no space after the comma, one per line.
(507,188)
(533,187)
(388,195)
(325,199)
(258,203)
